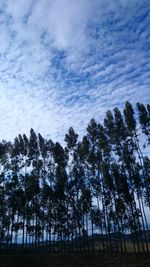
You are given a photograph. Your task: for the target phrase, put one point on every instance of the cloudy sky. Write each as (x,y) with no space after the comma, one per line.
(65,61)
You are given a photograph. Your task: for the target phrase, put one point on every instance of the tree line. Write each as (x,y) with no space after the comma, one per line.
(89,195)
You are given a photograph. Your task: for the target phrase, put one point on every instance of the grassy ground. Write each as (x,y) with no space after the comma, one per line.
(129,247)
(75,260)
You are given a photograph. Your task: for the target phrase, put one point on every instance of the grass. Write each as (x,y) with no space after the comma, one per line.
(129,246)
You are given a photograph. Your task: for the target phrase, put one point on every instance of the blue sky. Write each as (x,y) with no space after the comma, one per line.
(63,62)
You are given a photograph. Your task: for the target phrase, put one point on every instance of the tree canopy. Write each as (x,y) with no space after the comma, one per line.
(94,190)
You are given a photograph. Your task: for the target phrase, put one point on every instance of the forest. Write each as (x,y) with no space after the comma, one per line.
(87,196)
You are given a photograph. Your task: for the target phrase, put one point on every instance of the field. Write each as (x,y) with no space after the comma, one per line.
(129,247)
(114,260)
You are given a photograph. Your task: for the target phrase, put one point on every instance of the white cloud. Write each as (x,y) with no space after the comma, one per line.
(61,63)
(64,20)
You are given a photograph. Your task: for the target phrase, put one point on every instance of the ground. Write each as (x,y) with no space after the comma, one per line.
(75,260)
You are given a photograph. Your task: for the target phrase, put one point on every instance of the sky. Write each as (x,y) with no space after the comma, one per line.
(63,62)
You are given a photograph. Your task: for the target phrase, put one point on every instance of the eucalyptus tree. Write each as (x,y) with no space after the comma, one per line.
(83,193)
(39,172)
(16,185)
(90,148)
(60,207)
(138,180)
(118,137)
(128,145)
(49,188)
(3,209)
(78,185)
(26,153)
(71,139)
(47,197)
(144,119)
(146,191)
(98,186)
(6,210)
(115,132)
(12,188)
(4,220)
(35,167)
(99,154)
